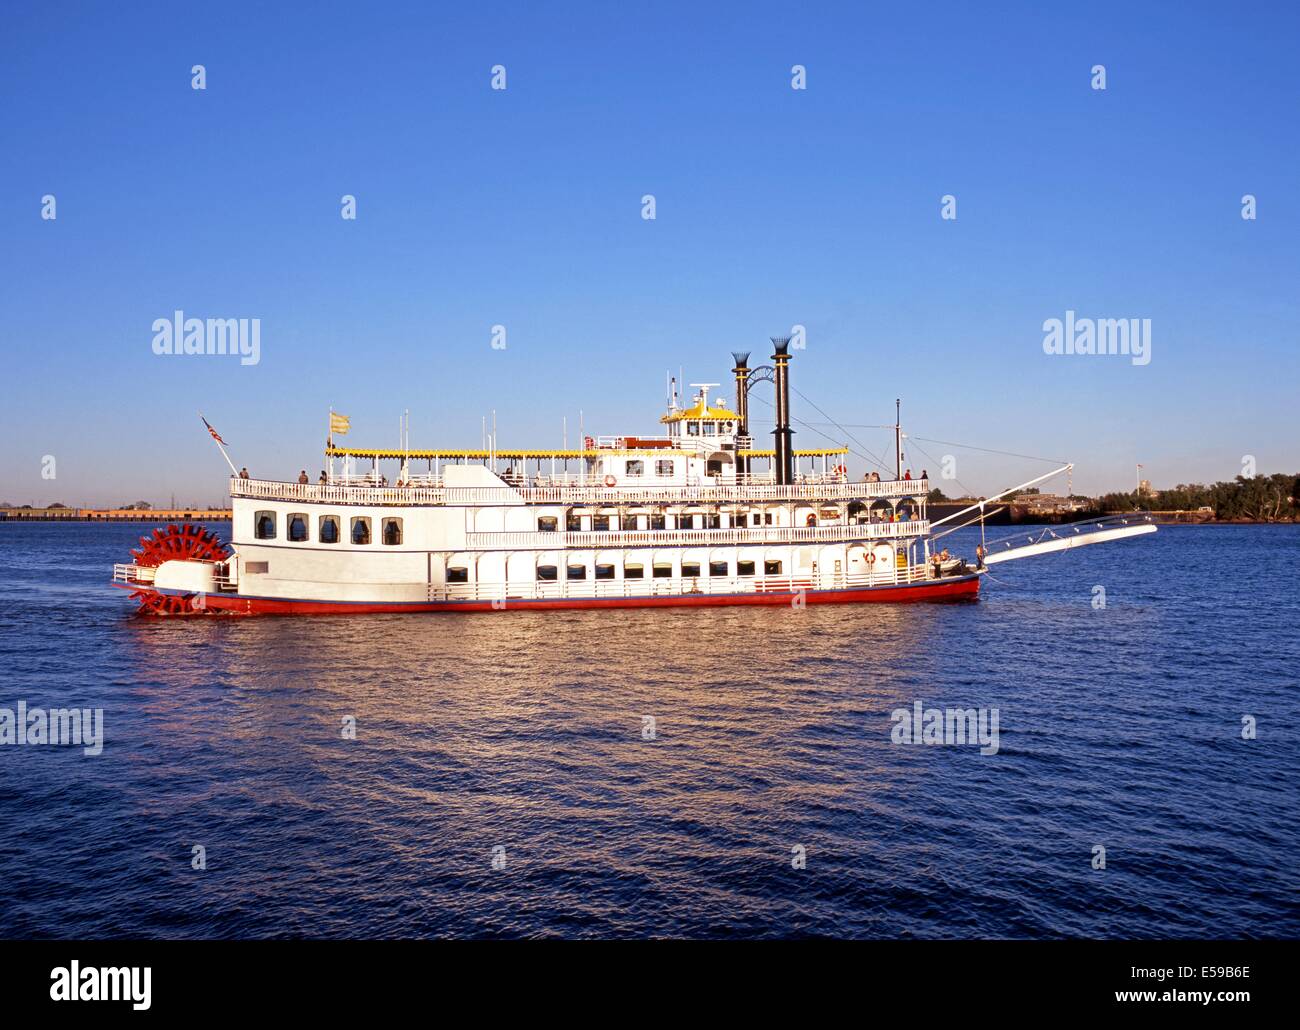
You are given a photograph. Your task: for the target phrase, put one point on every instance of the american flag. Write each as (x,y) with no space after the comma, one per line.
(215,435)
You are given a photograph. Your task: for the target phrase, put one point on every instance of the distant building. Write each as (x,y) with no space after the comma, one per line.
(1144,489)
(1048,503)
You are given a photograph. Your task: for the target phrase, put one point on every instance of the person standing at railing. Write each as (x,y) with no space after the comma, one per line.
(324,479)
(302,478)
(243,473)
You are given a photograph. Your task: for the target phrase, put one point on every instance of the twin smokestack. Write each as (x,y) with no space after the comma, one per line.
(784,445)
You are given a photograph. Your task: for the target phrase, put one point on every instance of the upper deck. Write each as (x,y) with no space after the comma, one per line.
(431,490)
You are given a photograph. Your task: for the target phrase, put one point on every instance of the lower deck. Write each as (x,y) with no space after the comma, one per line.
(948,588)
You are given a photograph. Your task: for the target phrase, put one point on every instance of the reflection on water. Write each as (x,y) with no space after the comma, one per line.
(524,730)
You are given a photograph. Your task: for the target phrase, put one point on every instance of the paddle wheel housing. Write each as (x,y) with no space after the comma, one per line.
(187,543)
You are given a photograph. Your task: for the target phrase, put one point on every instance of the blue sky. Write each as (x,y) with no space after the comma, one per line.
(522,207)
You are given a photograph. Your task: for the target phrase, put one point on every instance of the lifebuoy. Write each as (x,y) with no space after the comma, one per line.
(871,557)
(610,480)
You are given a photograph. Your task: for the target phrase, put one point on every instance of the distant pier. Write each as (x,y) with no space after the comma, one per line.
(114,514)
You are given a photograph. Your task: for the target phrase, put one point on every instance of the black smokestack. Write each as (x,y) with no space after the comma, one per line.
(741,372)
(784,460)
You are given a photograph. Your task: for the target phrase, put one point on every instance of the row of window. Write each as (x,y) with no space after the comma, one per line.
(636,467)
(551,573)
(601,523)
(329,528)
(710,428)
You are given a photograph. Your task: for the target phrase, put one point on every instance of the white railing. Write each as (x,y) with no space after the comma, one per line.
(649,586)
(593,540)
(133,574)
(830,489)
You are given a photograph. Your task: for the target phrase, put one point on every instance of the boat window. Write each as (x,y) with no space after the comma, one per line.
(604,571)
(690,568)
(254,568)
(771,567)
(713,468)
(457,574)
(744,568)
(634,571)
(392,532)
(600,523)
(756,518)
(547,523)
(577,572)
(663,571)
(692,429)
(573,522)
(297,527)
(547,573)
(713,521)
(710,429)
(328,530)
(664,467)
(717,568)
(360,530)
(657,521)
(635,468)
(264,525)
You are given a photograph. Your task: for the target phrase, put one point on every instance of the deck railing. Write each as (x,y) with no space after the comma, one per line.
(828,488)
(589,540)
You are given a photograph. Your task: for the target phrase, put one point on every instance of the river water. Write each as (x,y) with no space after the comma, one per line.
(705,773)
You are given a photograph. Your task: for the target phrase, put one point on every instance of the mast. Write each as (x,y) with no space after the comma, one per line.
(898,438)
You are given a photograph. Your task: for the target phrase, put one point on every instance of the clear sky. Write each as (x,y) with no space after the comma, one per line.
(523,207)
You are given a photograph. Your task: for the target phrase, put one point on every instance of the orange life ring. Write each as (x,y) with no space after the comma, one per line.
(871,557)
(610,480)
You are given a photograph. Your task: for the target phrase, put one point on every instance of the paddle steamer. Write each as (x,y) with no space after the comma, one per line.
(693,516)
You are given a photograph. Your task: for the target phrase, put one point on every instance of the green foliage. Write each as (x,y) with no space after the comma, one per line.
(1258,499)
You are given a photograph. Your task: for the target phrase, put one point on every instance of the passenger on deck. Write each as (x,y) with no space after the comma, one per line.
(874,477)
(907,474)
(323,478)
(302,477)
(925,473)
(243,473)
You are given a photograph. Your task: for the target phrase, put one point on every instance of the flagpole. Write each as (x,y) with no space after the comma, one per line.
(233,471)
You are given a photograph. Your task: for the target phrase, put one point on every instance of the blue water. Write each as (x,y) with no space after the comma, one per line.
(1120,727)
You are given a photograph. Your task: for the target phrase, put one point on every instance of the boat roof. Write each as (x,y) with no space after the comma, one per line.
(701,412)
(397,454)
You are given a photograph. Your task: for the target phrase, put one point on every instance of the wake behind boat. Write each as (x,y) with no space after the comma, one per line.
(693,517)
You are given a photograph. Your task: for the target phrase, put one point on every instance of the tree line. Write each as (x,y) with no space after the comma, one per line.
(1274,498)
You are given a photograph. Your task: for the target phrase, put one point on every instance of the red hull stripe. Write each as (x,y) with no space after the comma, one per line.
(964,588)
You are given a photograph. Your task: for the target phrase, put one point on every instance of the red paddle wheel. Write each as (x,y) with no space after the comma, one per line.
(175,543)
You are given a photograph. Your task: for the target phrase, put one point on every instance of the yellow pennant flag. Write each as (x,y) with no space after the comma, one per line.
(339,423)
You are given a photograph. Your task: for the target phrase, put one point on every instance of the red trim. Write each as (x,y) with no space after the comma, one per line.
(941,590)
